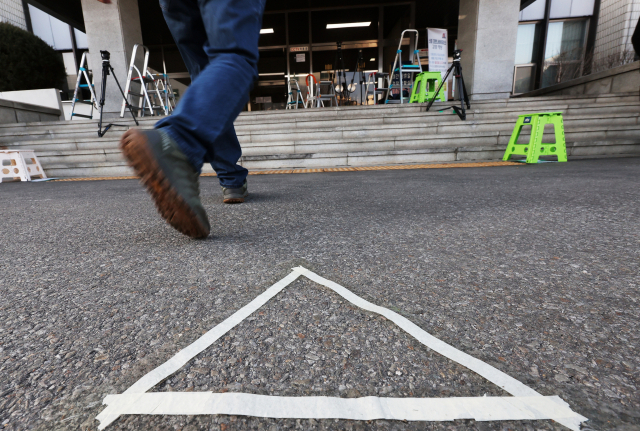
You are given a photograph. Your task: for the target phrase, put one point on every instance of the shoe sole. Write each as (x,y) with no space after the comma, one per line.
(235,200)
(171,206)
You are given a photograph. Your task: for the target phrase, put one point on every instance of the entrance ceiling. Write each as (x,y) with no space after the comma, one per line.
(70,11)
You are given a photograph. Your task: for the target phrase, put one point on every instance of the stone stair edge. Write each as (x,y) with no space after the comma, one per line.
(518,101)
(569,117)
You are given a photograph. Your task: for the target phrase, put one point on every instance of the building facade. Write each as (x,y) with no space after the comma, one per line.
(616,24)
(509,46)
(13,12)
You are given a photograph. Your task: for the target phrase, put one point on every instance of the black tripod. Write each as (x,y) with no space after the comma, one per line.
(107,70)
(359,70)
(341,88)
(464,98)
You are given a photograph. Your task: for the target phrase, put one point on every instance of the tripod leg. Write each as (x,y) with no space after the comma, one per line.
(464,90)
(103,89)
(123,96)
(435,96)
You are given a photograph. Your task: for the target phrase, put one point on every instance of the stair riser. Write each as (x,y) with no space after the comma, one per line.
(371,128)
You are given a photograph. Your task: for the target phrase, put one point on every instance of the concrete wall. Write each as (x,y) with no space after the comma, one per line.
(113,27)
(487,34)
(616,23)
(47,98)
(11,11)
(16,112)
(623,79)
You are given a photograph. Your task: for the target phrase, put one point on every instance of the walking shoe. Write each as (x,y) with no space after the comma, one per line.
(235,196)
(169,177)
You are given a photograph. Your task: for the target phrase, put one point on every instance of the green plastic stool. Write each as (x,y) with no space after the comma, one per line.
(425,86)
(535,148)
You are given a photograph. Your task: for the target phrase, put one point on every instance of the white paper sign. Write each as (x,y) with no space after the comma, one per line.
(438,51)
(300,58)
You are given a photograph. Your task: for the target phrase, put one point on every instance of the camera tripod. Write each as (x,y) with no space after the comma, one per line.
(359,70)
(456,67)
(107,70)
(341,86)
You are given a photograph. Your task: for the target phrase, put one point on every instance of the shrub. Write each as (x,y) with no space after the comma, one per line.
(27,62)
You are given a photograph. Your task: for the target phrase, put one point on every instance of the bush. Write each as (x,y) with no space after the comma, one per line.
(27,62)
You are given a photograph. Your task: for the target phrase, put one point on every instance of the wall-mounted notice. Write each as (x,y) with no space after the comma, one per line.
(301,58)
(438,51)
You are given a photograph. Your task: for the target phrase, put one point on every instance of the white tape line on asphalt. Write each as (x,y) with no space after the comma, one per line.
(154,377)
(362,409)
(501,408)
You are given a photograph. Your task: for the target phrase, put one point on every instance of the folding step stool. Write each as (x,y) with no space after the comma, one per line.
(411,67)
(424,89)
(144,79)
(535,148)
(374,80)
(22,165)
(84,72)
(326,91)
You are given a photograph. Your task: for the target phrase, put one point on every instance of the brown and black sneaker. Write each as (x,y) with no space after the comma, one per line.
(169,177)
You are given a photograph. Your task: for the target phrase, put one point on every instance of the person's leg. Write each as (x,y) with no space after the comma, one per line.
(185,23)
(202,124)
(188,31)
(161,164)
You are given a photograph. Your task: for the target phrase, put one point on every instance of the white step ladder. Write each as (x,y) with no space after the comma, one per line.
(148,85)
(20,165)
(86,73)
(411,68)
(291,103)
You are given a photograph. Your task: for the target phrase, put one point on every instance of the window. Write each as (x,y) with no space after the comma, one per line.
(571,8)
(564,52)
(526,48)
(525,43)
(534,11)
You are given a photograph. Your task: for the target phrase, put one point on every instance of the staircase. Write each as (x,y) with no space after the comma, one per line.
(601,125)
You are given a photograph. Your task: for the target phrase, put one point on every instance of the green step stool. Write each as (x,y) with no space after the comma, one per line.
(535,148)
(425,86)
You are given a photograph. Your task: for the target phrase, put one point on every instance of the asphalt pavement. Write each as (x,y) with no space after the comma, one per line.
(531,269)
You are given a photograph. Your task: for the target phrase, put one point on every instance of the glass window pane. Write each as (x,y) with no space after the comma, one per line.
(524,79)
(69,63)
(582,7)
(41,25)
(533,11)
(61,34)
(81,39)
(560,8)
(525,42)
(549,76)
(565,40)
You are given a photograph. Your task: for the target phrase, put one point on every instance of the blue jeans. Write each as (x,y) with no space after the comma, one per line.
(218,41)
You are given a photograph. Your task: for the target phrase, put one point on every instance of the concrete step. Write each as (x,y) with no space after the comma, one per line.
(613,113)
(620,135)
(356,136)
(271,140)
(344,113)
